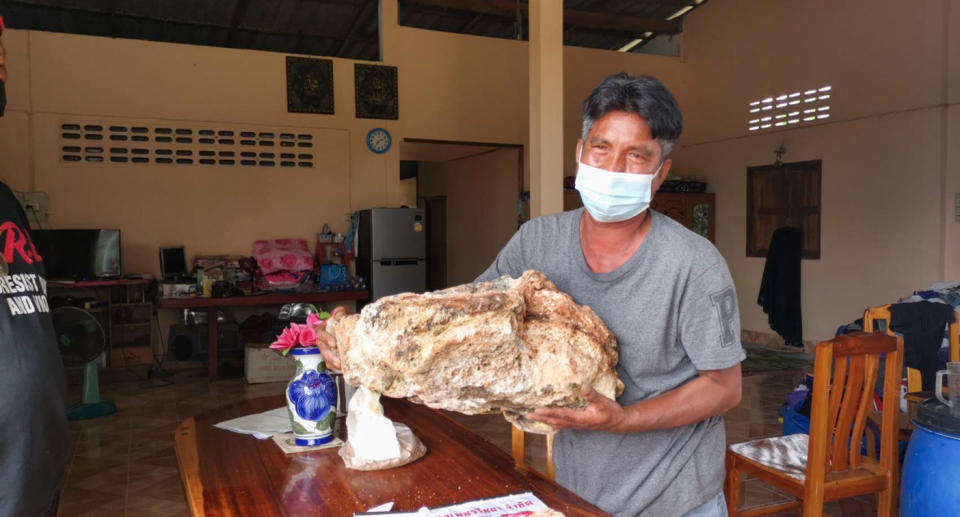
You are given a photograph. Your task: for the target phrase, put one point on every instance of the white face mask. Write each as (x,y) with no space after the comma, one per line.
(611,197)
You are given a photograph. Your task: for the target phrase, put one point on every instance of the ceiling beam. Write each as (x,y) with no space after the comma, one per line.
(355,26)
(114,21)
(46,10)
(239,12)
(467,27)
(676,3)
(585,19)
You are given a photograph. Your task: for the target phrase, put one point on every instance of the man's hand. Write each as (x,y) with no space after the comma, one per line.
(328,344)
(601,414)
(712,392)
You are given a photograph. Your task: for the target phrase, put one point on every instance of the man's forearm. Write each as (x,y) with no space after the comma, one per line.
(711,393)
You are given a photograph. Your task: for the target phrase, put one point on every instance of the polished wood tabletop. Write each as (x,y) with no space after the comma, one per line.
(228,474)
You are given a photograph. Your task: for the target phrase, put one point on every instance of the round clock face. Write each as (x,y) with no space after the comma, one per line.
(378,140)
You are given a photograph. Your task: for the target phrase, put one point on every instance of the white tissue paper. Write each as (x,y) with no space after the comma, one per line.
(374,442)
(371,434)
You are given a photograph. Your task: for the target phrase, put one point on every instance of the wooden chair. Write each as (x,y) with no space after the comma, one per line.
(517,447)
(828,464)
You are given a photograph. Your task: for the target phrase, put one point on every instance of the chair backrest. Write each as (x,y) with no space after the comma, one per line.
(844,378)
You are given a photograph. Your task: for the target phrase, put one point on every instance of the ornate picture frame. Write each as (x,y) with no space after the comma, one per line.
(376,91)
(309,85)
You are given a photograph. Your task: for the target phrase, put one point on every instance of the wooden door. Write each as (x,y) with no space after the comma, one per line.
(435,213)
(787,194)
(696,211)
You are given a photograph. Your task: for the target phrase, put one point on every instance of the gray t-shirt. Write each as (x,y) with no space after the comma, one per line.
(673,309)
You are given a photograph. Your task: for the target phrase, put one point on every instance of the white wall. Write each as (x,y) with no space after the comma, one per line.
(482,196)
(888,149)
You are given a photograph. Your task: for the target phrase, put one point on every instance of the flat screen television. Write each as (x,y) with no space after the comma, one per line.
(79,254)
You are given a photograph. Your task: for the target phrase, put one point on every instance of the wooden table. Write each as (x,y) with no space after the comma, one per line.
(212,304)
(230,474)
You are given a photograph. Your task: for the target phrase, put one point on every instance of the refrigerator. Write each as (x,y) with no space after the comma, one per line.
(391,250)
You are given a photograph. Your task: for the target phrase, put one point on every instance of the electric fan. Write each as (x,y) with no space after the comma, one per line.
(81,340)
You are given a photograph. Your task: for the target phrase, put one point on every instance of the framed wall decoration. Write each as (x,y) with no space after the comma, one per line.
(376,91)
(309,85)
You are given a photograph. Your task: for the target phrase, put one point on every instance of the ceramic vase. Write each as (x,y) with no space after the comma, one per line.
(311,398)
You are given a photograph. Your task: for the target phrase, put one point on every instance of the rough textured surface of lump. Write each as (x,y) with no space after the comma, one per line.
(509,345)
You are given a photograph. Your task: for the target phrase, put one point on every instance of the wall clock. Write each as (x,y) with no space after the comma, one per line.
(378,140)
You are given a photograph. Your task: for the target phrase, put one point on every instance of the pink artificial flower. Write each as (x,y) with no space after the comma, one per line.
(308,336)
(314,321)
(287,339)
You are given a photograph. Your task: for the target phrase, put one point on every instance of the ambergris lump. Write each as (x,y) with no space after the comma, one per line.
(509,345)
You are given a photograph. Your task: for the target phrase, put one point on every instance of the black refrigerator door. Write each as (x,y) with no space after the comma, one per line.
(392,233)
(393,276)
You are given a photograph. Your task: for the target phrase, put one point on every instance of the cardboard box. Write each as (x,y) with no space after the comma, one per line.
(261,364)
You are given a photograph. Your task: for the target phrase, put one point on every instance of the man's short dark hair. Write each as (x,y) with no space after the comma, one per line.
(645,96)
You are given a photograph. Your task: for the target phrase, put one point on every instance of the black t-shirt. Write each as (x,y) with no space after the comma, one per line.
(34,439)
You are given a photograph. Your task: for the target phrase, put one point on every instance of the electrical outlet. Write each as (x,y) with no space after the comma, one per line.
(35,204)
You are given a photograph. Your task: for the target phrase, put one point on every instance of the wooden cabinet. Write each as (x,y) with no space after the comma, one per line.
(124,310)
(571,199)
(695,211)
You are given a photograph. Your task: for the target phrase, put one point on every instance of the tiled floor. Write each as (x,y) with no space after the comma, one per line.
(125,464)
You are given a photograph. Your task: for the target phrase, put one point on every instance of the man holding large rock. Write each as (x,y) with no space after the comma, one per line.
(666,295)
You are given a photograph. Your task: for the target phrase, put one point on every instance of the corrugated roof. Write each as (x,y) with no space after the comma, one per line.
(340,28)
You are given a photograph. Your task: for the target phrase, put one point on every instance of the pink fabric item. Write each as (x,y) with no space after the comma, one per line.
(283,255)
(281,281)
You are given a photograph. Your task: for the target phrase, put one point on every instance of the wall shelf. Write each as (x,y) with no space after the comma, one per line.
(126,316)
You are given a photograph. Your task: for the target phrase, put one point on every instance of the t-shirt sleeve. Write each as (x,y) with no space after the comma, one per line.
(509,261)
(710,320)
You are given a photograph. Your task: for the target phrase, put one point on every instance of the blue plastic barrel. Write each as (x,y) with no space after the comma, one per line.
(930,482)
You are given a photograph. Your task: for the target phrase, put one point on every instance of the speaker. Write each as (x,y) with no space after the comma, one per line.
(189,342)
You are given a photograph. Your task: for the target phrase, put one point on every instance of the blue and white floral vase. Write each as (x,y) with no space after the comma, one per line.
(311,398)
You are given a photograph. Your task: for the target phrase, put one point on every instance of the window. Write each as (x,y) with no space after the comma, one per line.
(789,109)
(206,146)
(787,194)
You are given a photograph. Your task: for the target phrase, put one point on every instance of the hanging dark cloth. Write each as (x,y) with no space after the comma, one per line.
(780,288)
(921,324)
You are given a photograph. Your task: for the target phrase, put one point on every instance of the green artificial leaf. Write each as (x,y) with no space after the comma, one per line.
(299,429)
(327,422)
(323,315)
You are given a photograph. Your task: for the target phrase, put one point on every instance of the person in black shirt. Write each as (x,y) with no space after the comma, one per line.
(34,438)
